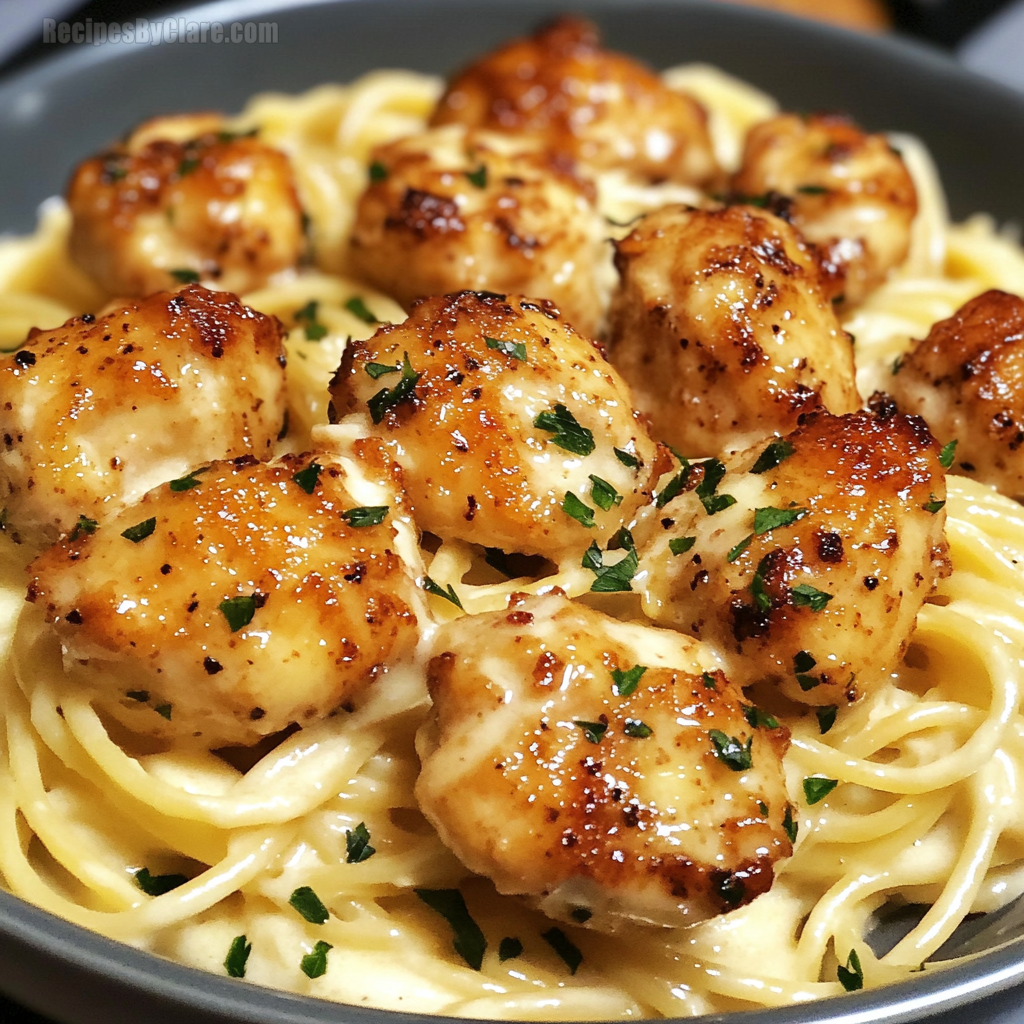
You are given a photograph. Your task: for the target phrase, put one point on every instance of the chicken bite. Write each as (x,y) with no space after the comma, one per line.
(596,768)
(851,193)
(967,380)
(228,604)
(96,412)
(449,210)
(601,109)
(805,561)
(184,200)
(511,429)
(721,328)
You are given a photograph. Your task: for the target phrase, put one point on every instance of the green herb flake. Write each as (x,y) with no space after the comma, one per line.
(812,190)
(803,661)
(624,682)
(314,965)
(187,482)
(680,545)
(378,172)
(184,276)
(564,947)
(513,349)
(140,531)
(187,166)
(357,307)
(509,948)
(897,365)
(807,682)
(238,957)
(674,487)
(307,316)
(357,844)
(403,391)
(817,788)
(142,696)
(567,433)
(766,519)
(617,578)
(709,680)
(806,596)
(732,752)
(605,496)
(366,515)
(762,807)
(308,905)
(759,719)
(738,550)
(594,731)
(789,824)
(851,977)
(636,729)
(378,370)
(761,597)
(478,177)
(933,506)
(826,718)
(427,584)
(164,711)
(714,470)
(157,885)
(626,458)
(85,525)
(946,454)
(469,941)
(775,453)
(576,509)
(307,478)
(238,610)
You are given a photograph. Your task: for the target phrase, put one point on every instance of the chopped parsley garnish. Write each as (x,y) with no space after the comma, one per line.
(357,308)
(816,788)
(564,947)
(140,531)
(377,370)
(469,941)
(366,515)
(184,276)
(714,470)
(738,550)
(757,591)
(772,456)
(187,166)
(626,458)
(789,825)
(309,905)
(946,454)
(758,718)
(766,519)
(933,506)
(730,751)
(307,478)
(604,495)
(515,349)
(897,365)
(709,680)
(238,610)
(680,545)
(803,661)
(238,957)
(478,177)
(431,587)
(807,682)
(625,681)
(636,729)
(509,948)
(578,510)
(83,526)
(567,433)
(674,486)
(157,885)
(806,596)
(851,977)
(164,711)
(314,965)
(812,190)
(378,172)
(357,844)
(826,718)
(404,390)
(594,731)
(307,316)
(187,482)
(615,578)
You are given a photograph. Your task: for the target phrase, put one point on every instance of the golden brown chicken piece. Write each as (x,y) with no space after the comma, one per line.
(967,380)
(170,206)
(805,561)
(721,328)
(600,109)
(98,411)
(851,193)
(228,604)
(511,429)
(450,210)
(593,766)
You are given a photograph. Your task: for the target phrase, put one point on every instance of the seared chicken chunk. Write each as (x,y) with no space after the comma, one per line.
(230,603)
(595,767)
(447,211)
(511,429)
(98,411)
(162,208)
(721,328)
(851,193)
(967,380)
(805,561)
(598,108)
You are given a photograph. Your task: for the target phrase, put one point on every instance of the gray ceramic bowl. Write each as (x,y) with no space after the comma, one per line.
(65,108)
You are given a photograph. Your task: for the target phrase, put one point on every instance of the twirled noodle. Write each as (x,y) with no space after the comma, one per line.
(926,805)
